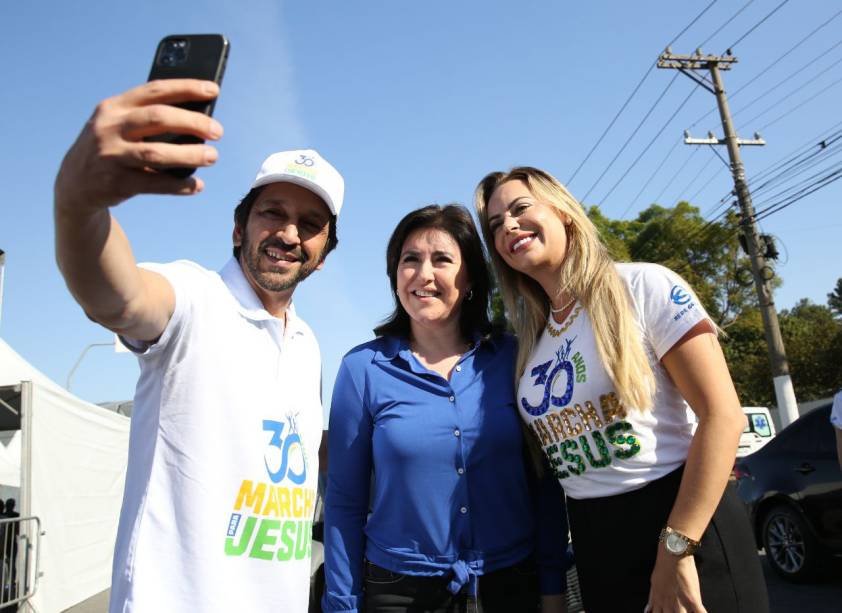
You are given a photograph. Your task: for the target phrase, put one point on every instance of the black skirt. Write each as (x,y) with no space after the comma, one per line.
(615,540)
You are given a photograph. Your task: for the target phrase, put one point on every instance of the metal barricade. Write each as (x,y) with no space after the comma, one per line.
(20,559)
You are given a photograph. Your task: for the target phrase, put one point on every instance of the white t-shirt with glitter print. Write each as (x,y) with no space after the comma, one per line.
(568,400)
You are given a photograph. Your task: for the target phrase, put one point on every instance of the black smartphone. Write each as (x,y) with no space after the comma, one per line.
(189,56)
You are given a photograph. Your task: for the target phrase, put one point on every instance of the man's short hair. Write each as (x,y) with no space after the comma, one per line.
(243,210)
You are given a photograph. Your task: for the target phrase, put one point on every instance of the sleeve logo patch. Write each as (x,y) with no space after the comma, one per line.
(679,295)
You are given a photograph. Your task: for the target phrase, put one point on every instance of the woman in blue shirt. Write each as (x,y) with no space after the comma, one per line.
(424,434)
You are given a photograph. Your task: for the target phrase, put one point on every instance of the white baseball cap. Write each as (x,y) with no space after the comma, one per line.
(304,167)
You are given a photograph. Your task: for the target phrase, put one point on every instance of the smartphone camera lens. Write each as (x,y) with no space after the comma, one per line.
(173,52)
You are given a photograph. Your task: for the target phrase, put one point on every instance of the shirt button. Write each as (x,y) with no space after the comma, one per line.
(458,369)
(457,433)
(463,510)
(460,470)
(453,399)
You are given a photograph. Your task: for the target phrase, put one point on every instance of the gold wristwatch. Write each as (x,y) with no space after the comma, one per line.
(678,544)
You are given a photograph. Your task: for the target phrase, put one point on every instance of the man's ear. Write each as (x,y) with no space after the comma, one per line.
(237,236)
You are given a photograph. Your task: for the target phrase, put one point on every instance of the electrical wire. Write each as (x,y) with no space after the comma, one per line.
(809,144)
(790,76)
(657,170)
(648,146)
(794,91)
(722,27)
(634,91)
(774,63)
(757,25)
(693,152)
(629,139)
(660,166)
(824,182)
(799,105)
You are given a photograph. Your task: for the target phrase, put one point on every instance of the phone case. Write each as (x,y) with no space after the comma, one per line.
(189,56)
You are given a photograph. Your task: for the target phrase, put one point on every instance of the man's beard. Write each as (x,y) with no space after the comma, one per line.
(272,281)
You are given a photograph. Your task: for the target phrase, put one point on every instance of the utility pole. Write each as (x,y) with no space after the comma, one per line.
(689,64)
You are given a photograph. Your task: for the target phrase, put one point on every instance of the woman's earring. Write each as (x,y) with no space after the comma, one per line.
(470,295)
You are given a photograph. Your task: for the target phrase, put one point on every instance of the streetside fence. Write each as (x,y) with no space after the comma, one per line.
(20,551)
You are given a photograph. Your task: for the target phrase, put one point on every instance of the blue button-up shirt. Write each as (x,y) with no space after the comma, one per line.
(450,494)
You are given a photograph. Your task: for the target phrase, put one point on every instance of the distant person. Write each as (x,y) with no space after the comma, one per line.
(9,507)
(10,539)
(223,451)
(429,407)
(836,420)
(623,383)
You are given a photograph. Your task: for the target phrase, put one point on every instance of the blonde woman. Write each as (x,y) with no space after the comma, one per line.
(622,382)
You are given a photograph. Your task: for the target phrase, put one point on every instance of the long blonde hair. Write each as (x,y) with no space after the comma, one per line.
(588,273)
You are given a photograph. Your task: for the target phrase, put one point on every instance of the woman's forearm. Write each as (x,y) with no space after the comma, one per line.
(706,472)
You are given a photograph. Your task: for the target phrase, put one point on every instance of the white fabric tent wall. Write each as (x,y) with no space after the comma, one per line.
(73,467)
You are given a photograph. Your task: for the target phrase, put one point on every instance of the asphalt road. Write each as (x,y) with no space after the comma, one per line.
(823,595)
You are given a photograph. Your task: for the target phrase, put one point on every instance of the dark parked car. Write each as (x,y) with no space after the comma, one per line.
(793,490)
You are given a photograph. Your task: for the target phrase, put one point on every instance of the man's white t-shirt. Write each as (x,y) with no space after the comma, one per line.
(569,402)
(836,411)
(223,455)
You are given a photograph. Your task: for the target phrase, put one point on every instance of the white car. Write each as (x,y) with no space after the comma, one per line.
(760,429)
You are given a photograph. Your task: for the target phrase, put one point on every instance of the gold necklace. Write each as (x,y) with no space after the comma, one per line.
(556,333)
(562,308)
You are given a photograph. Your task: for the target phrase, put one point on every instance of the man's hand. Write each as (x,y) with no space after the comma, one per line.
(110,161)
(107,164)
(675,585)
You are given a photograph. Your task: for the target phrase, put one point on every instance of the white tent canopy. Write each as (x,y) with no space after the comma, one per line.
(71,471)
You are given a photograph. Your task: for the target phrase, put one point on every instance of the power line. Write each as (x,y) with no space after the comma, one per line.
(634,91)
(629,139)
(795,91)
(675,176)
(798,106)
(795,152)
(705,184)
(774,63)
(820,184)
(693,180)
(657,170)
(792,188)
(730,19)
(648,146)
(799,166)
(757,25)
(790,76)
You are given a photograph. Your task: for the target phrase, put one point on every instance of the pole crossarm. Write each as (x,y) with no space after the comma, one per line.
(697,61)
(712,140)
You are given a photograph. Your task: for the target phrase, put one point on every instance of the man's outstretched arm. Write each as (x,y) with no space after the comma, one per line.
(108,164)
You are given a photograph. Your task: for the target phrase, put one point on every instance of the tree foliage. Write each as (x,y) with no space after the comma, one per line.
(834,299)
(708,256)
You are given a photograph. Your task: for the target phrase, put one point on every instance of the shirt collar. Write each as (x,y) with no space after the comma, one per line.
(248,302)
(396,346)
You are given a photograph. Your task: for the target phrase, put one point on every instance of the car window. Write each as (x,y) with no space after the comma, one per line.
(759,423)
(795,438)
(810,435)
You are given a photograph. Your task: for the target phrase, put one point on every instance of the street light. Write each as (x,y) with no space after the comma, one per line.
(116,344)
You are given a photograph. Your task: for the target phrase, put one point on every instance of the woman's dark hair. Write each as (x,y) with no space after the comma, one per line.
(456,221)
(243,210)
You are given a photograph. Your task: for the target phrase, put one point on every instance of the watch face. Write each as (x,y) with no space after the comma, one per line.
(676,543)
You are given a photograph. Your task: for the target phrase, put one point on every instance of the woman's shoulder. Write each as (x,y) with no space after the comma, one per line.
(365,353)
(646,279)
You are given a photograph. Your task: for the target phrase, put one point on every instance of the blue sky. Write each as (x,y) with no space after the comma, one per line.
(413,102)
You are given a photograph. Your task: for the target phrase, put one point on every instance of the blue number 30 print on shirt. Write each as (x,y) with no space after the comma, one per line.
(548,380)
(285,445)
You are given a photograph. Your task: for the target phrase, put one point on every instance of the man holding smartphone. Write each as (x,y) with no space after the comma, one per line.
(223,454)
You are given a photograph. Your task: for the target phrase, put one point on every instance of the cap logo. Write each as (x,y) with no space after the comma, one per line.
(298,171)
(304,160)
